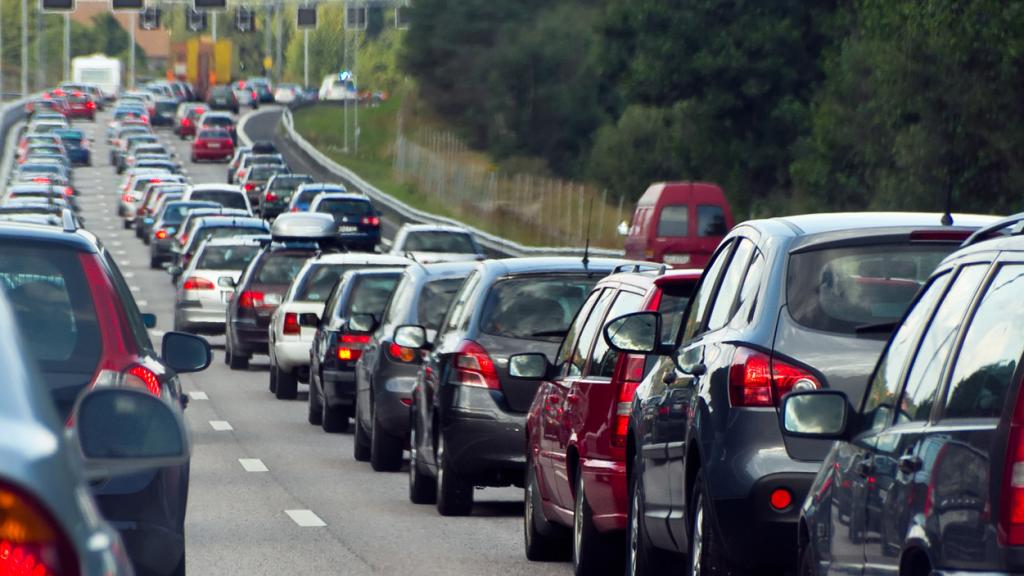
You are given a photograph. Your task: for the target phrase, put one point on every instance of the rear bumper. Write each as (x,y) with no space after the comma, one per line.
(292,354)
(391,404)
(604,482)
(361,238)
(249,338)
(202,320)
(488,447)
(226,153)
(339,387)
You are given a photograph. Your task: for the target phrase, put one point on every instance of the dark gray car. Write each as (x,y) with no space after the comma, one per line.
(166,226)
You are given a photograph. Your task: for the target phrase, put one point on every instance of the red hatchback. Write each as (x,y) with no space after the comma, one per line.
(577,426)
(81,105)
(679,223)
(213,145)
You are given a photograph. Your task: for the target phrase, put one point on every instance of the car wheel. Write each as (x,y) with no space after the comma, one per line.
(545,542)
(154,263)
(642,557)
(287,384)
(127,224)
(422,487)
(385,449)
(334,420)
(454,495)
(705,544)
(316,411)
(593,553)
(238,361)
(361,443)
(808,563)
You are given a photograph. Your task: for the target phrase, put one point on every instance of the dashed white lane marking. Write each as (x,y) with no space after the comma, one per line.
(141,303)
(305,518)
(221,426)
(198,396)
(124,262)
(129,274)
(135,288)
(120,252)
(253,465)
(116,243)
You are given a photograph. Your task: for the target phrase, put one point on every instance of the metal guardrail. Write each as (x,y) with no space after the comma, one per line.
(486,239)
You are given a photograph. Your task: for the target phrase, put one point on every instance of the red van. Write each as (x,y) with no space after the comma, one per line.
(679,223)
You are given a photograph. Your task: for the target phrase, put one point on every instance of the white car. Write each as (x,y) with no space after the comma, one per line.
(334,89)
(291,331)
(201,301)
(227,195)
(429,243)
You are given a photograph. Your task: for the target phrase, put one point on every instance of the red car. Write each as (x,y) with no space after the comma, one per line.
(189,122)
(213,144)
(679,223)
(81,105)
(577,427)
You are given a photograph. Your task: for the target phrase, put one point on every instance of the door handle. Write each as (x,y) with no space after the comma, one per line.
(866,468)
(910,464)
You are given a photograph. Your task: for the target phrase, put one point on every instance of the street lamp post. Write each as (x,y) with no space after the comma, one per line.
(305,58)
(131,66)
(67,46)
(24,48)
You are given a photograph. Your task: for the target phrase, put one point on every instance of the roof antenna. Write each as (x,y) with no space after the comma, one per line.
(947,218)
(586,247)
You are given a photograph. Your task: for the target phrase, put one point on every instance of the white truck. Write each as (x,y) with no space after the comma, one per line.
(98,69)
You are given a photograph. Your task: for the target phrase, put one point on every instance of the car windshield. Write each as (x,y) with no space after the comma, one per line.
(434,300)
(280,267)
(226,198)
(840,289)
(289,182)
(210,232)
(344,207)
(534,308)
(370,295)
(218,121)
(438,241)
(263,173)
(226,257)
(166,107)
(214,135)
(175,213)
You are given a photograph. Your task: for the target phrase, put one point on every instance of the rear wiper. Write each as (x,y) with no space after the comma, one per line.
(879,328)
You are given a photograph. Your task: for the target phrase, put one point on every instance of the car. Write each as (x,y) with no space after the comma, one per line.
(286,94)
(428,243)
(212,144)
(135,187)
(147,206)
(246,96)
(277,195)
(385,374)
(576,495)
(233,164)
(297,237)
(188,118)
(41,191)
(223,194)
(27,140)
(289,340)
(218,120)
(304,196)
(358,221)
(200,228)
(248,160)
(678,223)
(256,178)
(921,476)
(125,144)
(167,220)
(468,415)
(81,105)
(37,105)
(80,324)
(160,164)
(222,98)
(201,300)
(263,89)
(165,112)
(782,299)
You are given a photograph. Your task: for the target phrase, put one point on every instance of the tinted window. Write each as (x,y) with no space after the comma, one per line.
(536,308)
(711,221)
(281,268)
(455,313)
(452,242)
(371,293)
(289,182)
(218,121)
(209,232)
(226,257)
(214,134)
(175,213)
(345,207)
(724,304)
(703,296)
(435,298)
(603,358)
(926,371)
(675,297)
(569,343)
(991,350)
(264,172)
(839,289)
(674,221)
(224,198)
(320,280)
(166,107)
(588,333)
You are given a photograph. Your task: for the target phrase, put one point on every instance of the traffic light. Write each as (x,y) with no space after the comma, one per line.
(132,5)
(195,20)
(245,20)
(57,5)
(149,18)
(306,17)
(210,4)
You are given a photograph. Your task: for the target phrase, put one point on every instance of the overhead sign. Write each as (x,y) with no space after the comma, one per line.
(209,4)
(57,5)
(133,5)
(306,17)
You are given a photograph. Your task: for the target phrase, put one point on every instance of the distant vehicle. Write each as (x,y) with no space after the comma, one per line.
(213,144)
(81,105)
(103,71)
(287,94)
(223,98)
(427,243)
(277,196)
(678,223)
(165,227)
(335,89)
(202,298)
(358,221)
(165,112)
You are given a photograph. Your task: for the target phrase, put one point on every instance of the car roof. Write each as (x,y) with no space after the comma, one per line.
(808,224)
(216,188)
(549,264)
(360,258)
(80,240)
(343,196)
(245,240)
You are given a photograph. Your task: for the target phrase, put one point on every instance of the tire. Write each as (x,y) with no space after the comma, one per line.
(706,554)
(360,444)
(237,361)
(543,541)
(272,380)
(642,557)
(154,263)
(593,553)
(808,563)
(454,495)
(385,449)
(127,224)
(422,487)
(334,420)
(316,411)
(287,384)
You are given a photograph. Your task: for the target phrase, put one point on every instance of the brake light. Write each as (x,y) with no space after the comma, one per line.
(183,240)
(474,367)
(291,324)
(31,542)
(271,197)
(90,105)
(127,198)
(295,208)
(401,353)
(756,379)
(69,191)
(1011,520)
(141,377)
(197,283)
(186,122)
(631,373)
(250,187)
(160,234)
(41,180)
(250,299)
(371,221)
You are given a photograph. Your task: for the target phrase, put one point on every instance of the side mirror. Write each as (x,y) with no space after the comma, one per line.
(529,366)
(636,333)
(186,352)
(410,336)
(309,320)
(363,323)
(623,228)
(174,270)
(149,320)
(226,282)
(820,414)
(124,430)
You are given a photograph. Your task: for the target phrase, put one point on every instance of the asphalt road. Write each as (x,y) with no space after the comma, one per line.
(271,494)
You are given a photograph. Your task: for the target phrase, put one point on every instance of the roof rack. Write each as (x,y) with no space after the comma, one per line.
(68,220)
(1016,222)
(639,267)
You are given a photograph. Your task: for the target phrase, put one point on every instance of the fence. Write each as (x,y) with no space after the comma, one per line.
(531,209)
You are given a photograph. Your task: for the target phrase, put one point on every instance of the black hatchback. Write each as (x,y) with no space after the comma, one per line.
(794,303)
(469,415)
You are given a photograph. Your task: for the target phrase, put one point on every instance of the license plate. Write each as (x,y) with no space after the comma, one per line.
(348,229)
(213,145)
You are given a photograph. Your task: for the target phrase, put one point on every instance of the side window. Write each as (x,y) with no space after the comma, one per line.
(589,333)
(455,313)
(674,221)
(994,343)
(603,358)
(724,304)
(699,304)
(746,303)
(926,371)
(131,310)
(885,385)
(711,221)
(569,342)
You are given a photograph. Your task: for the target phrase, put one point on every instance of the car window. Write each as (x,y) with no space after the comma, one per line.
(451,242)
(711,221)
(222,197)
(675,296)
(345,207)
(746,301)
(226,257)
(724,304)
(603,358)
(702,298)
(569,342)
(280,268)
(926,369)
(454,315)
(588,332)
(674,221)
(371,293)
(991,349)
(435,298)
(131,309)
(535,307)
(398,306)
(880,397)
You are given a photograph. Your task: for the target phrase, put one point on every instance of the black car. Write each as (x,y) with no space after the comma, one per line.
(469,415)
(165,113)
(340,341)
(256,179)
(924,476)
(222,98)
(277,194)
(785,304)
(386,373)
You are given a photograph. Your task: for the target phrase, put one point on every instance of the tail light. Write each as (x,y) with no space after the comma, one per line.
(250,299)
(127,198)
(90,105)
(631,373)
(160,234)
(756,379)
(371,221)
(41,180)
(351,346)
(31,541)
(69,191)
(197,283)
(474,367)
(1011,520)
(291,324)
(185,122)
(250,187)
(401,353)
(271,197)
(295,208)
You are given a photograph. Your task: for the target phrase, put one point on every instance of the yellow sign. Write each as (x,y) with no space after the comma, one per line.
(192,60)
(223,51)
(268,63)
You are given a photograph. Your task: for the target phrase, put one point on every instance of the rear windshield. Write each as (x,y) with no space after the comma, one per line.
(346,207)
(840,289)
(167,107)
(434,301)
(534,308)
(290,182)
(320,280)
(218,121)
(711,221)
(674,221)
(227,231)
(175,213)
(453,242)
(226,199)
(675,297)
(226,257)
(263,172)
(214,134)
(53,307)
(370,295)
(280,267)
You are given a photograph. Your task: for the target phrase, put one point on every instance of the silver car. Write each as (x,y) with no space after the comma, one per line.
(201,302)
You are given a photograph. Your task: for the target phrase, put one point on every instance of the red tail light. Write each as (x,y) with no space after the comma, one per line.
(144,378)
(90,105)
(631,373)
(127,198)
(295,208)
(291,324)
(756,379)
(401,353)
(250,299)
(185,122)
(474,367)
(271,197)
(371,221)
(41,180)
(183,240)
(250,187)
(31,541)
(69,191)
(351,348)
(160,234)
(197,283)
(1011,519)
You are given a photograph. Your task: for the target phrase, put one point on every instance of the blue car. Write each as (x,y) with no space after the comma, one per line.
(76,145)
(358,222)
